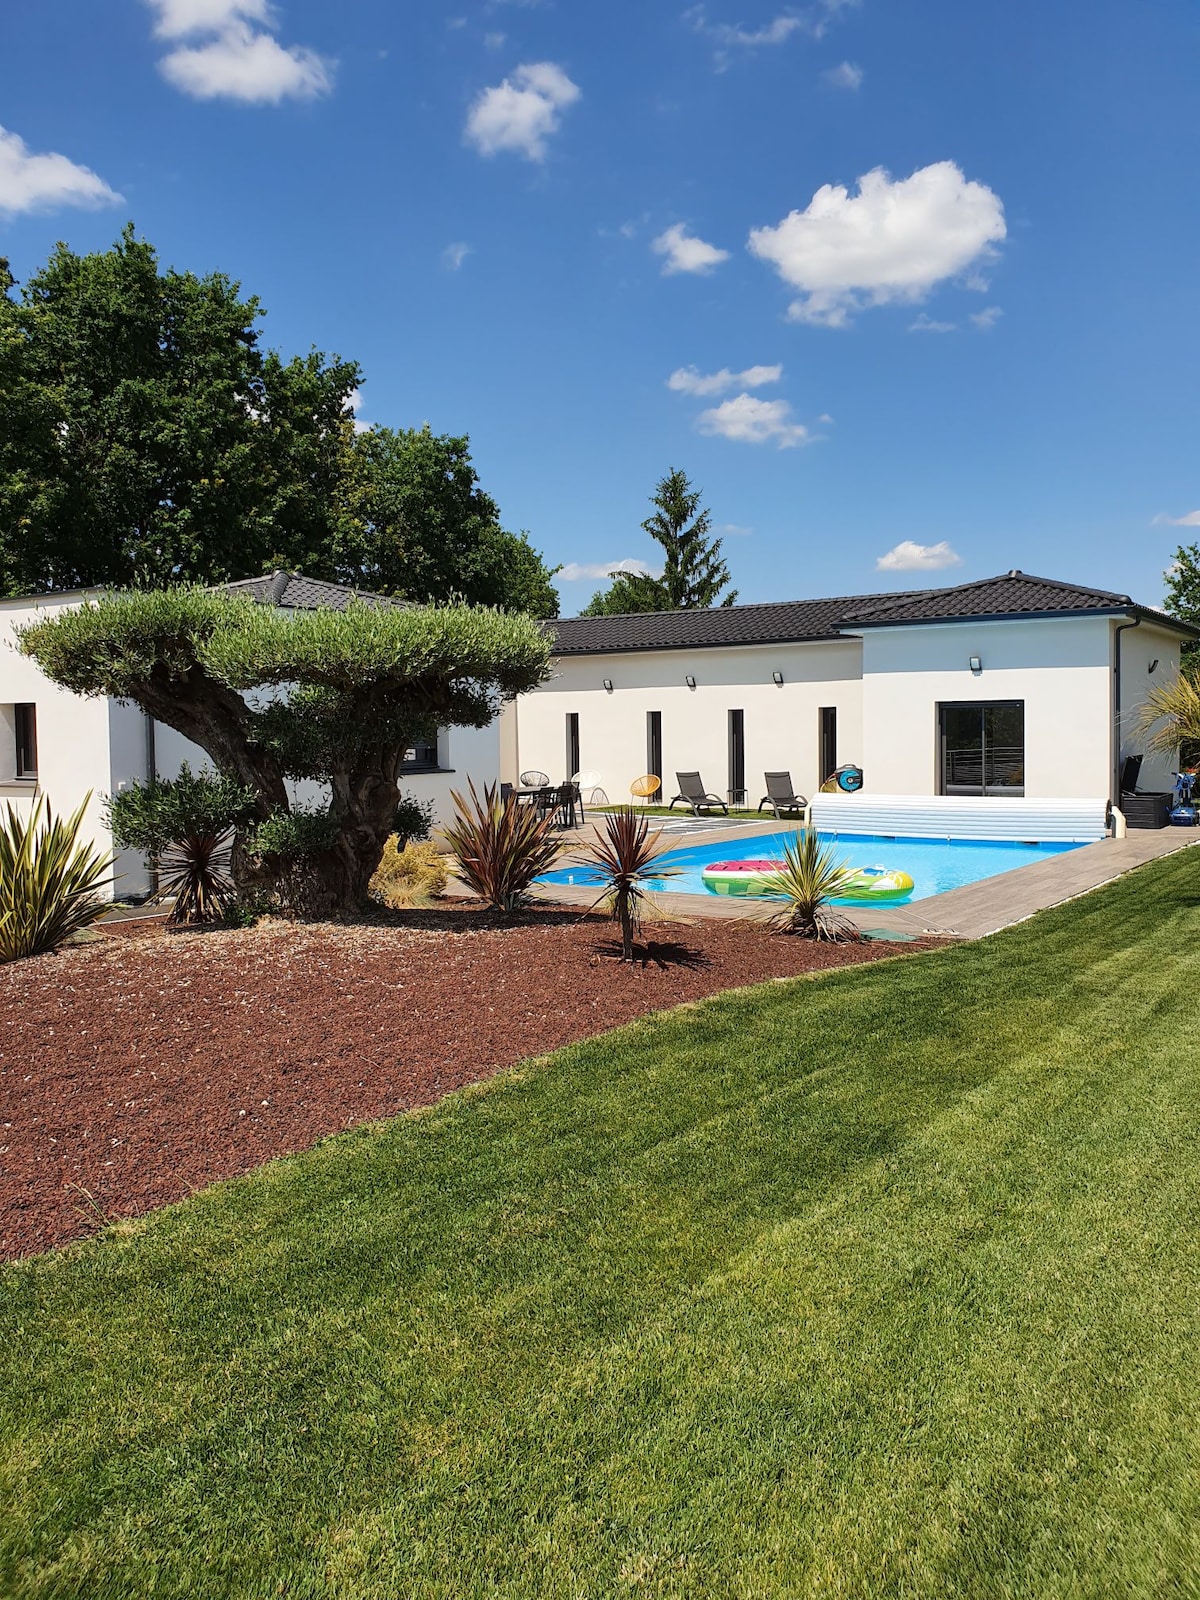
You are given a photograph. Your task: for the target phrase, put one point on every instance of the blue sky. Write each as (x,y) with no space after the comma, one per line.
(524,218)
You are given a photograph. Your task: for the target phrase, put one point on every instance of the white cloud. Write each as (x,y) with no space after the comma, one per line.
(241,64)
(908,556)
(988,318)
(1190,519)
(684,252)
(926,324)
(749,420)
(354,403)
(573,571)
(178,18)
(893,240)
(690,380)
(494,41)
(454,255)
(30,182)
(522,112)
(732,529)
(844,76)
(730,37)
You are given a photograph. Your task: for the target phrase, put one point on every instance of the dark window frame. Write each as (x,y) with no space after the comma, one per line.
(25,740)
(425,757)
(826,743)
(654,746)
(574,759)
(956,768)
(736,764)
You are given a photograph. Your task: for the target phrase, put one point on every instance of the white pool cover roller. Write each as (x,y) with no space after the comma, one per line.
(917,816)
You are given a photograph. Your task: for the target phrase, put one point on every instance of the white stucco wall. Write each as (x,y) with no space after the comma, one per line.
(781,724)
(1139,647)
(1059,667)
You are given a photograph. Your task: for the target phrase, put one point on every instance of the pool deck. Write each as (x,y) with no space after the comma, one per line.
(971,912)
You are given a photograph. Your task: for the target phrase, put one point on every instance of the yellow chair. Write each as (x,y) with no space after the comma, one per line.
(645,788)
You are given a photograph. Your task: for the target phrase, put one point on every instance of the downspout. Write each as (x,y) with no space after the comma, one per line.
(151,776)
(1122,627)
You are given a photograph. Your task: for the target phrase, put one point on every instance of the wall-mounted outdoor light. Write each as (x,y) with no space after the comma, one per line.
(690,681)
(778,679)
(607,685)
(975,664)
(1154,664)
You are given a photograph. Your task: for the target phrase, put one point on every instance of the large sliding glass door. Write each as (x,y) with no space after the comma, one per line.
(982,745)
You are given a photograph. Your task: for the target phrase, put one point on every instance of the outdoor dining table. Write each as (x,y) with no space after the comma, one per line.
(547,795)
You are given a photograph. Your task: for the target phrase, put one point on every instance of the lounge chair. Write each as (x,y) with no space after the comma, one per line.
(693,794)
(782,798)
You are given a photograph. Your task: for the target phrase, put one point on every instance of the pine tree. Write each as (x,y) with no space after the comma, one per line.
(694,571)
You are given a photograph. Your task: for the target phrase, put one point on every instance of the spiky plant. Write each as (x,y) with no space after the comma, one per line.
(194,876)
(1170,715)
(625,854)
(501,846)
(810,878)
(49,880)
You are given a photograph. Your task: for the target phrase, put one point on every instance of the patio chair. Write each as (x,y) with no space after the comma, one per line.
(782,798)
(645,789)
(563,801)
(693,794)
(534,780)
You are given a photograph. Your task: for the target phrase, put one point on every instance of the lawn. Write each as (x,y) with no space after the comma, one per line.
(883,1283)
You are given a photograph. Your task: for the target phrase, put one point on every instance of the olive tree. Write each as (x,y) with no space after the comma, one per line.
(335,696)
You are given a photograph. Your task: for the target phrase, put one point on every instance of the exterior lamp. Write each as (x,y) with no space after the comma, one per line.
(1154,664)
(778,679)
(690,681)
(607,682)
(975,664)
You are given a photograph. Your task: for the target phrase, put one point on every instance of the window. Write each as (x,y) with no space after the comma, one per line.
(737,757)
(25,720)
(421,757)
(827,752)
(982,747)
(654,762)
(573,763)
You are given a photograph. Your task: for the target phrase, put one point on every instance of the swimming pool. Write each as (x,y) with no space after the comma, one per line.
(934,865)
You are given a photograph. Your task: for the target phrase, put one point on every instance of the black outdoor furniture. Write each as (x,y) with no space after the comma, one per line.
(781,797)
(1150,810)
(534,780)
(694,795)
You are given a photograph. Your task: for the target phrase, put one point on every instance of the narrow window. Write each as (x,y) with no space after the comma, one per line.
(827,758)
(737,758)
(982,747)
(654,764)
(26,725)
(572,744)
(421,756)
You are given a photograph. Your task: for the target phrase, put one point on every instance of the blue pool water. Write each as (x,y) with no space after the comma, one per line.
(934,865)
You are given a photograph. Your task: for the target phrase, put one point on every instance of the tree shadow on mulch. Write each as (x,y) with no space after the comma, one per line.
(652,953)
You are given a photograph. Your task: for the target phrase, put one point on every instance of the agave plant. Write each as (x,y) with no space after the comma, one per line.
(501,846)
(808,881)
(49,880)
(625,854)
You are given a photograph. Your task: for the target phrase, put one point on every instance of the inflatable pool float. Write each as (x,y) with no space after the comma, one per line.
(739,877)
(869,885)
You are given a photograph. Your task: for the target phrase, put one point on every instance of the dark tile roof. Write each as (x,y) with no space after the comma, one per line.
(294,592)
(1011,594)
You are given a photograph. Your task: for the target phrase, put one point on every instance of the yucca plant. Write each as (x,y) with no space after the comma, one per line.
(1170,716)
(49,880)
(625,854)
(186,824)
(809,879)
(501,846)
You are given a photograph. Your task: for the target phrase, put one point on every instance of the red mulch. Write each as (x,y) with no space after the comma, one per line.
(137,1069)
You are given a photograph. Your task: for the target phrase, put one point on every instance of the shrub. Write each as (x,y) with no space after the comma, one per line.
(501,846)
(625,854)
(810,877)
(186,824)
(413,820)
(409,874)
(49,881)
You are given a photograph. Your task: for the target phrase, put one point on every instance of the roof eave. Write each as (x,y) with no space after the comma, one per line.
(1160,619)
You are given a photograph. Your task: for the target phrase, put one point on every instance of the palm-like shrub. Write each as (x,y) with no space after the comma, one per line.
(49,881)
(186,824)
(501,846)
(1170,715)
(625,855)
(810,878)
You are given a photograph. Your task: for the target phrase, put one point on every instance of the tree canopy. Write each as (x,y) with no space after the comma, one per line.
(1183,596)
(336,696)
(147,438)
(694,571)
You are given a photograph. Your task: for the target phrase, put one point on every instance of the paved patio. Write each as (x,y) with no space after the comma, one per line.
(971,912)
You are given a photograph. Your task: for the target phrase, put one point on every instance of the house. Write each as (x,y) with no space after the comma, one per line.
(56,743)
(1014,686)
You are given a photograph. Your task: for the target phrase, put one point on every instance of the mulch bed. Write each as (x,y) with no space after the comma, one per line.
(139,1068)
